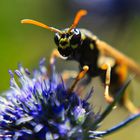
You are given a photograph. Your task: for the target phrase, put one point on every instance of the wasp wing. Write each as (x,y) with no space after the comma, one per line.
(120,58)
(108,50)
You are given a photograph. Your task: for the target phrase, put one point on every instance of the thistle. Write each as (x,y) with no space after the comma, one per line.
(40,107)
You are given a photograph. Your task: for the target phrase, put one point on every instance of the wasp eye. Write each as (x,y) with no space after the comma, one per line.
(76,38)
(76,31)
(56,39)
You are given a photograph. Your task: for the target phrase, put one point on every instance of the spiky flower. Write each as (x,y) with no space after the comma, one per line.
(41,108)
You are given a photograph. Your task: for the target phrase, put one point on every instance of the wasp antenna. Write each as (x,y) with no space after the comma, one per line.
(78,16)
(30,21)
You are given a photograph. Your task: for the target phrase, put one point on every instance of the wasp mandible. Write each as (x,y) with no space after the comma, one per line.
(95,57)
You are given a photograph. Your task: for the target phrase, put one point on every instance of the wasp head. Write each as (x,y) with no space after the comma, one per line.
(67,41)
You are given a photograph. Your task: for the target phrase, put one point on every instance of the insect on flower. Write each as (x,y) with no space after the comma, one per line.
(40,107)
(100,58)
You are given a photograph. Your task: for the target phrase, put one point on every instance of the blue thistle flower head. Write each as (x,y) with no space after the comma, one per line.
(39,107)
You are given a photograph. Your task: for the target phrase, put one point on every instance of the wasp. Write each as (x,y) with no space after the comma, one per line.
(95,57)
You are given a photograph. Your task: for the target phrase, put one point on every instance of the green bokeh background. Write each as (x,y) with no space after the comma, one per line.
(27,44)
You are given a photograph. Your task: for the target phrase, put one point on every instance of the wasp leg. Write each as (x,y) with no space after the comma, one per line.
(69,74)
(79,77)
(81,87)
(106,63)
(107,67)
(55,54)
(129,105)
(66,74)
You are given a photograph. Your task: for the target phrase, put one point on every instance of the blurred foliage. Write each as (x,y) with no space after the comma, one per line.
(23,43)
(26,44)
